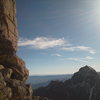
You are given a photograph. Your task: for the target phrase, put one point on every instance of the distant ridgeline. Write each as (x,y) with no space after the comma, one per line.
(84,85)
(44,80)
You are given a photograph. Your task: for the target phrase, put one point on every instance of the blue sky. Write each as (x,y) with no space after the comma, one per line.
(58,36)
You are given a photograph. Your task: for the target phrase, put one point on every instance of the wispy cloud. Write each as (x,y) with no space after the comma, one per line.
(84,59)
(89,58)
(79,48)
(78,59)
(46,43)
(41,42)
(58,55)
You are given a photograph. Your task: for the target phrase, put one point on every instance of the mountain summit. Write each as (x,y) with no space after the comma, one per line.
(84,85)
(86,74)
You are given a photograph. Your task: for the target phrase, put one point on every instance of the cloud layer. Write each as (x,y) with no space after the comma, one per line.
(46,43)
(42,42)
(84,59)
(58,55)
(80,48)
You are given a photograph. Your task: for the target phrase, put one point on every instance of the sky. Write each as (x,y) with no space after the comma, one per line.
(58,36)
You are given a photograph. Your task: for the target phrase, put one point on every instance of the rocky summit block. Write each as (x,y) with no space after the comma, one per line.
(8,27)
(13,72)
(86,74)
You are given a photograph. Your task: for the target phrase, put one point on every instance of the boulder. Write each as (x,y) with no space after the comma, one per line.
(13,88)
(6,72)
(22,92)
(1,67)
(5,92)
(18,65)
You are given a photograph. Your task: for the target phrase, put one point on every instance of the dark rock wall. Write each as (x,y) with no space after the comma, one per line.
(84,85)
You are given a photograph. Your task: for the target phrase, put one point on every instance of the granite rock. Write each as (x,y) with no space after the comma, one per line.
(13,71)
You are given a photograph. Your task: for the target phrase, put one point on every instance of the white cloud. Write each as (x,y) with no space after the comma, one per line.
(78,59)
(45,43)
(42,42)
(58,55)
(84,59)
(89,57)
(79,48)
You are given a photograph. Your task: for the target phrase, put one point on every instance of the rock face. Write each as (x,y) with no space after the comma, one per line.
(8,30)
(13,72)
(84,85)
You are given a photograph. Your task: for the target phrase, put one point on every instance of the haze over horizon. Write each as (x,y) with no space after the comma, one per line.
(59,36)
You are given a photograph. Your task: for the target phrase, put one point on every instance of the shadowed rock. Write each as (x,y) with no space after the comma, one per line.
(84,85)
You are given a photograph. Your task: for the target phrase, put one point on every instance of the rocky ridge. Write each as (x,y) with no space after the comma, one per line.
(84,85)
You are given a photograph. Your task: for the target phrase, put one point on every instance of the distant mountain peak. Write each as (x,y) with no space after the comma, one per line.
(85,73)
(86,69)
(84,85)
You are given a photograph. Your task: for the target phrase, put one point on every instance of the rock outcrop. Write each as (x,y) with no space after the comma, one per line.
(84,85)
(13,72)
(8,30)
